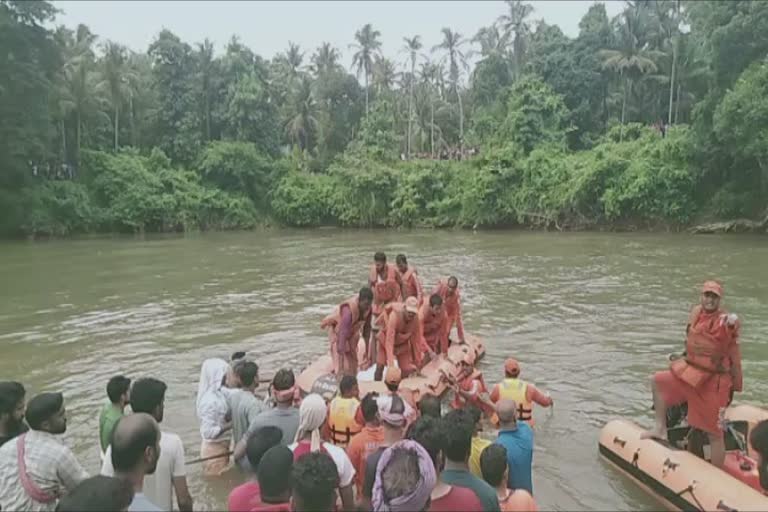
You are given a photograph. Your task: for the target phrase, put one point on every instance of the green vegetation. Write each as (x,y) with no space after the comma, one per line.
(555,132)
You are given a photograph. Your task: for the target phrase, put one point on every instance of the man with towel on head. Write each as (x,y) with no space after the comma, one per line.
(312,416)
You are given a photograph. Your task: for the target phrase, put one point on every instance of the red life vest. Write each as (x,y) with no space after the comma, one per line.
(434,327)
(707,347)
(387,290)
(407,332)
(450,302)
(410,283)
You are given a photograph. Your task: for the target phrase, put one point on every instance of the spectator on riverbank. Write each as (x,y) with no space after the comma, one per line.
(148,396)
(118,392)
(493,463)
(244,405)
(243,497)
(517,437)
(98,494)
(12,407)
(48,469)
(135,451)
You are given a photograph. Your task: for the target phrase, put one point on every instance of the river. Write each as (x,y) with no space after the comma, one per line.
(588,315)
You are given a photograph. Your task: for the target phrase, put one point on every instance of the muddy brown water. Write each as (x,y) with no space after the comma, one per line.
(588,315)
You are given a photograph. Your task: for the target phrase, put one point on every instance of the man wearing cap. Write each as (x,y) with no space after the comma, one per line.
(401,338)
(392,379)
(524,394)
(706,376)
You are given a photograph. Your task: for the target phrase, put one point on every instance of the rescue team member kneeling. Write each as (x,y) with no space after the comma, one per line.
(522,393)
(348,320)
(401,338)
(706,376)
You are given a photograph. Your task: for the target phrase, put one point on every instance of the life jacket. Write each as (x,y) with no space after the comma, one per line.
(407,330)
(305,447)
(450,303)
(466,384)
(517,390)
(334,319)
(434,327)
(410,285)
(707,347)
(384,291)
(341,420)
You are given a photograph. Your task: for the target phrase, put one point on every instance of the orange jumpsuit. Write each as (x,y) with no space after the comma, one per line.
(400,339)
(710,369)
(474,384)
(452,305)
(435,328)
(385,289)
(344,337)
(411,283)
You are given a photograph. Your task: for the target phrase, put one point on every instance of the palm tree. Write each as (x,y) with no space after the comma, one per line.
(492,41)
(206,65)
(367,46)
(305,114)
(629,60)
(514,23)
(431,75)
(115,81)
(384,74)
(452,45)
(412,46)
(293,59)
(668,16)
(325,59)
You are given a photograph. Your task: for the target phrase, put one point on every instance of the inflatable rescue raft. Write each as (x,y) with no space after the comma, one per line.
(431,380)
(681,480)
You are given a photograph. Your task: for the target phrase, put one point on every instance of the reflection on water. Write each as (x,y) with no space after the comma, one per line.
(588,315)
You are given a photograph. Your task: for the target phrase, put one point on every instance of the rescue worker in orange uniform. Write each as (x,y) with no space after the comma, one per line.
(470,388)
(434,322)
(342,426)
(345,325)
(707,374)
(409,278)
(385,282)
(522,393)
(401,338)
(448,290)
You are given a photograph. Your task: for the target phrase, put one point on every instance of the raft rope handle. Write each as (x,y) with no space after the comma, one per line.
(692,487)
(619,441)
(668,465)
(723,506)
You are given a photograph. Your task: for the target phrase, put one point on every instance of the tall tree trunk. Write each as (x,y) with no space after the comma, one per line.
(63,141)
(132,119)
(623,109)
(432,127)
(117,126)
(366,94)
(207,116)
(672,79)
(461,118)
(410,107)
(79,130)
(677,102)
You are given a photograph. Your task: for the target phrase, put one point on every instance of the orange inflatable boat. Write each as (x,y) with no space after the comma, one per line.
(317,377)
(679,479)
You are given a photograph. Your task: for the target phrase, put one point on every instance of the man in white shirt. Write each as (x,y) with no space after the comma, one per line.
(134,451)
(48,468)
(148,396)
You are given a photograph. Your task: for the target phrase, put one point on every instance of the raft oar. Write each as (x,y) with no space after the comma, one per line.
(210,457)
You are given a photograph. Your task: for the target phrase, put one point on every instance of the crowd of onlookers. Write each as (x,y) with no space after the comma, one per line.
(296,455)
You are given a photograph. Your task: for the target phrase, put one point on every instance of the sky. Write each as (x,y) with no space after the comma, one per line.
(266,27)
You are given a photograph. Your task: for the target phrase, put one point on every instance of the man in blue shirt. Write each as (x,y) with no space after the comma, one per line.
(517,438)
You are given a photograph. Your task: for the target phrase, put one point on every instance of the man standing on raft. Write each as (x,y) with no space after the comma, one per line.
(344,327)
(409,277)
(448,290)
(386,283)
(707,374)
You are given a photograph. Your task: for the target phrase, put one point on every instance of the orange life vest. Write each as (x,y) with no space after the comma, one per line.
(407,331)
(450,303)
(409,282)
(707,347)
(341,420)
(334,319)
(434,327)
(387,290)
